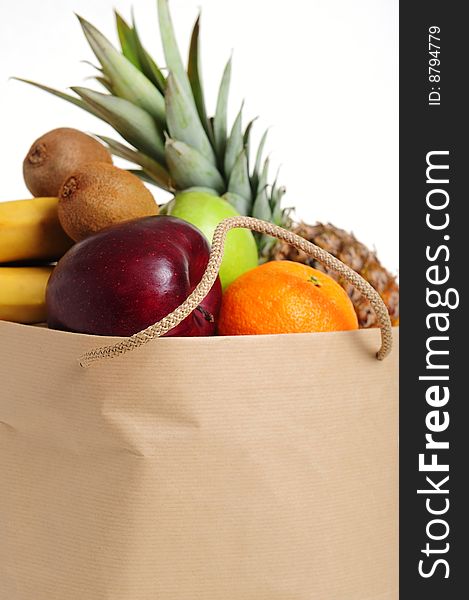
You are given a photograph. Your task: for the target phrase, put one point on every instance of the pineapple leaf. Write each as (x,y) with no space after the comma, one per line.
(143,175)
(261,206)
(183,120)
(127,81)
(265,244)
(239,178)
(257,166)
(220,119)
(234,145)
(189,168)
(127,40)
(274,185)
(123,151)
(247,139)
(104,81)
(242,205)
(153,169)
(264,176)
(195,79)
(278,214)
(170,47)
(72,99)
(93,66)
(132,122)
(149,67)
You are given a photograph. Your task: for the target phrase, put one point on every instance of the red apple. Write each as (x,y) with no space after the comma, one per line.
(129,276)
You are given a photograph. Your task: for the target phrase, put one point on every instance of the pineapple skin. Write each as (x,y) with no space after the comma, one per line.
(349,250)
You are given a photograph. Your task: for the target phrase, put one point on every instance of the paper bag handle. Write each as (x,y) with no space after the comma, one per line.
(210,275)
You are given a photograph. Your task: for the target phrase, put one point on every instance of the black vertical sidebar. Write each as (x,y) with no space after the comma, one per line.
(434,274)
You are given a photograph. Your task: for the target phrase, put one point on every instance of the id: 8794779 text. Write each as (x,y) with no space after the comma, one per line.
(434,73)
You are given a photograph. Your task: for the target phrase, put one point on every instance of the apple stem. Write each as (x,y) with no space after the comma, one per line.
(207,315)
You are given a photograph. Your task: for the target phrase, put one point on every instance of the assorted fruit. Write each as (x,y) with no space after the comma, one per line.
(123,262)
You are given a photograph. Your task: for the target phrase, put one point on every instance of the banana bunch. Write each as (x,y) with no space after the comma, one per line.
(30,232)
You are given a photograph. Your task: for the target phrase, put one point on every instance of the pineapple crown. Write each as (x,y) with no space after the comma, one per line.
(164,120)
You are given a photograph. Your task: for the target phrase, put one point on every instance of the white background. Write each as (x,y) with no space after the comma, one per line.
(322,73)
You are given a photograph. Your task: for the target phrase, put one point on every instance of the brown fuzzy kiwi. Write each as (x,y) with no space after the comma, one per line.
(99,195)
(55,155)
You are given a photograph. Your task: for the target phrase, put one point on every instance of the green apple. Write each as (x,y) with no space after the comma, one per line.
(205,211)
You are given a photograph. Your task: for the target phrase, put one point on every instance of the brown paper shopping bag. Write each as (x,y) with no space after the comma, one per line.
(237,468)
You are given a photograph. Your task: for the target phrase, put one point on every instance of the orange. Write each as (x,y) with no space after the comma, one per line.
(285,297)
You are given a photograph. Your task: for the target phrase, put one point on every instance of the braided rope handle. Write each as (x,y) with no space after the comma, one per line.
(210,275)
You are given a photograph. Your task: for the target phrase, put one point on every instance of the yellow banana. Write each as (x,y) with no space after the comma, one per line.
(30,230)
(23,293)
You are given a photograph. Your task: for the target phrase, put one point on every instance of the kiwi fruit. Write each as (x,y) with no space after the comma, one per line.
(55,155)
(98,195)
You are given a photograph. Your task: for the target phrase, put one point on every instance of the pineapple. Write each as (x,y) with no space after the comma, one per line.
(176,146)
